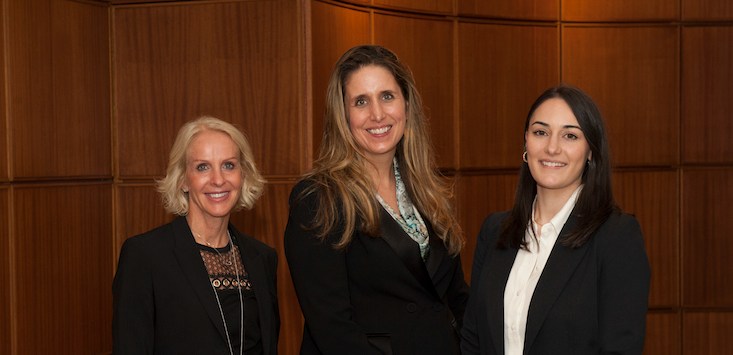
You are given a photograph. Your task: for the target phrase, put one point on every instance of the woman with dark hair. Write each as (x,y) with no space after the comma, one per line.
(565,271)
(372,242)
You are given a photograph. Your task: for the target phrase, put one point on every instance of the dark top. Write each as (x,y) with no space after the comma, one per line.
(588,300)
(377,296)
(224,276)
(164,303)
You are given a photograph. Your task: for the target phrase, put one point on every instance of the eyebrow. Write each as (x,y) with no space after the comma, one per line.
(547,125)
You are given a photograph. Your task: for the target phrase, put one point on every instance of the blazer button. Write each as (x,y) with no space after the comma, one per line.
(411,307)
(438,307)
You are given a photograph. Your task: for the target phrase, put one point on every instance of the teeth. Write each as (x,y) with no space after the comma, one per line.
(379,130)
(552,163)
(221,194)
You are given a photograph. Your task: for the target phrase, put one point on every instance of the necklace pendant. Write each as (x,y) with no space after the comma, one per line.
(228,262)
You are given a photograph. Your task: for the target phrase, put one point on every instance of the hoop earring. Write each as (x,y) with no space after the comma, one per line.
(524,157)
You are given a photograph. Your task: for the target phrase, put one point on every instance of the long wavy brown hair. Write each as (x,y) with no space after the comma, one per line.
(340,173)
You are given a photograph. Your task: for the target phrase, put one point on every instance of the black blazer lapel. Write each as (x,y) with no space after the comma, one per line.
(558,270)
(254,265)
(497,274)
(189,259)
(407,250)
(437,251)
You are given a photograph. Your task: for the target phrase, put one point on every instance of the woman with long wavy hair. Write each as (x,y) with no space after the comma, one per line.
(372,242)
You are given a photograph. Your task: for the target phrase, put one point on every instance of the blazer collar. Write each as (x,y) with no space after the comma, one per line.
(407,250)
(558,270)
(189,259)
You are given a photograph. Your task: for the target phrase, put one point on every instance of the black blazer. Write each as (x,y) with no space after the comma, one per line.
(377,296)
(163,300)
(589,300)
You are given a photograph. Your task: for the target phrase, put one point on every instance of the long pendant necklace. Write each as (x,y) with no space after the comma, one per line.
(241,301)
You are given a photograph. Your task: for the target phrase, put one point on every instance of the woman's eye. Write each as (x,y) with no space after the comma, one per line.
(202,167)
(540,133)
(360,102)
(229,166)
(388,96)
(571,136)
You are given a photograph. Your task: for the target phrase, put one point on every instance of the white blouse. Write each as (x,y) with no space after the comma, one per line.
(526,272)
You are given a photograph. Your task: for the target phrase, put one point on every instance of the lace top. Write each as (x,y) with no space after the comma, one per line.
(220,265)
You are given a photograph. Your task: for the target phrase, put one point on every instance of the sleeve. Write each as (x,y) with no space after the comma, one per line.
(133,305)
(320,278)
(624,290)
(469,333)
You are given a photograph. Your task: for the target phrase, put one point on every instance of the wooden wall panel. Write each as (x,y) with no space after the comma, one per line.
(619,10)
(707,332)
(707,10)
(334,30)
(238,61)
(653,197)
(503,69)
(478,196)
(663,334)
(5,273)
(266,222)
(58,82)
(138,209)
(433,73)
(517,9)
(707,275)
(4,151)
(430,6)
(633,75)
(707,89)
(62,247)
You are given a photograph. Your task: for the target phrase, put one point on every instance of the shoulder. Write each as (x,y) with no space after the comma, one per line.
(252,242)
(620,229)
(156,236)
(493,222)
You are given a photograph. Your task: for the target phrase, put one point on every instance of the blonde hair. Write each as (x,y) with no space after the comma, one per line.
(174,199)
(340,174)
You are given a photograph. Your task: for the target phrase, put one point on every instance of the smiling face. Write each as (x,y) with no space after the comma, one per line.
(376,111)
(213,175)
(556,147)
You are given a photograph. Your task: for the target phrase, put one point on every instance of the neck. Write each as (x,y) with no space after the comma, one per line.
(209,232)
(549,203)
(382,176)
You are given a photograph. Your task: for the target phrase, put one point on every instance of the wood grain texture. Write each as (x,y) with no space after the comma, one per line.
(517,9)
(632,73)
(334,30)
(426,46)
(58,88)
(62,268)
(138,209)
(5,273)
(707,92)
(663,333)
(619,10)
(4,151)
(707,332)
(707,275)
(653,198)
(266,222)
(503,68)
(478,196)
(707,10)
(427,6)
(237,61)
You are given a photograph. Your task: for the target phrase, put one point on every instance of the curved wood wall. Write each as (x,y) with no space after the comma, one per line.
(95,91)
